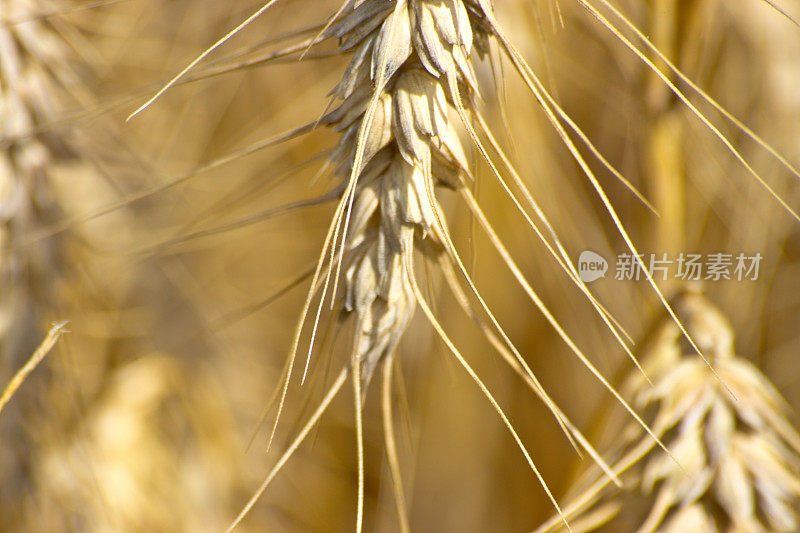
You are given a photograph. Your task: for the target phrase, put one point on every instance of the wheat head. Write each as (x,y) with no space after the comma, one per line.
(736,465)
(416,55)
(409,91)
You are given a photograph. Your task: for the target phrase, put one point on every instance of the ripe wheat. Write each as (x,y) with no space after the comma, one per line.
(736,465)
(407,98)
(411,74)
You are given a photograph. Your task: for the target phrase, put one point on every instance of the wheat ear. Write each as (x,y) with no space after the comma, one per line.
(740,456)
(411,67)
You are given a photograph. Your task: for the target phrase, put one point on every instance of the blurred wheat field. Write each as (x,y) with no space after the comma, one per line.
(180,250)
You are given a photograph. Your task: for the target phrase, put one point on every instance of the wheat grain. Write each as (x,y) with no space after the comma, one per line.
(397,145)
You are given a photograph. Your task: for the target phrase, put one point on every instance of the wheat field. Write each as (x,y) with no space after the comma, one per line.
(400,265)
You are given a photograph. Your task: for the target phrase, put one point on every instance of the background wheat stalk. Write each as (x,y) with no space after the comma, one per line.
(31,277)
(52,264)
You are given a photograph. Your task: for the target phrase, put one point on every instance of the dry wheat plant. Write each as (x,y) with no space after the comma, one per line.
(444,163)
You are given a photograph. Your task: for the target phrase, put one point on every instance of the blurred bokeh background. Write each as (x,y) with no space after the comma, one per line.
(167,251)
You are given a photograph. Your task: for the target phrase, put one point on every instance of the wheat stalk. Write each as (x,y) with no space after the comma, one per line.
(30,275)
(27,275)
(19,377)
(738,457)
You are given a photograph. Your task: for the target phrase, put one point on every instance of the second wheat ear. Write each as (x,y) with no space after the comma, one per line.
(741,457)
